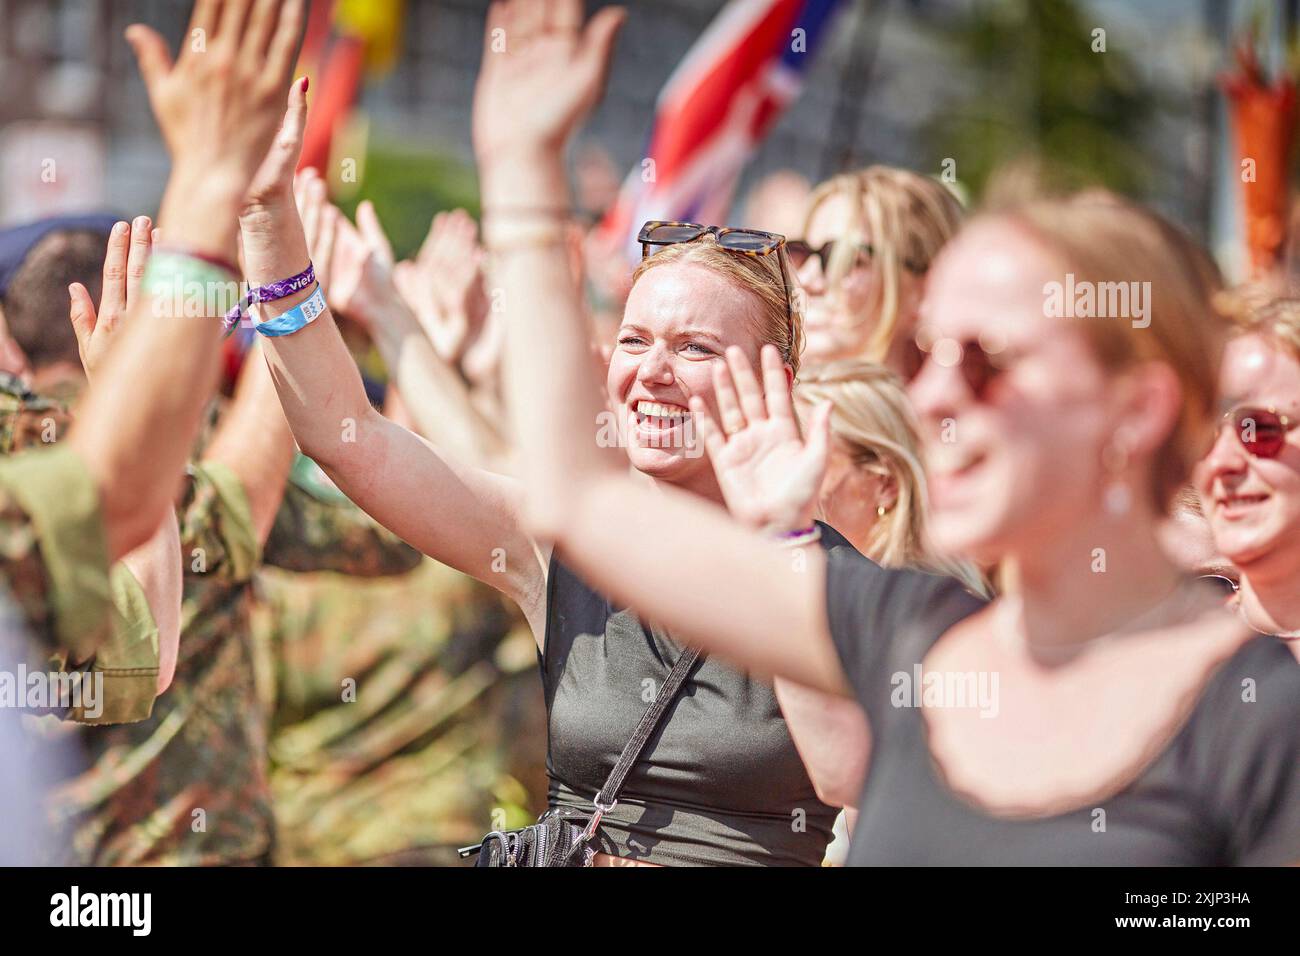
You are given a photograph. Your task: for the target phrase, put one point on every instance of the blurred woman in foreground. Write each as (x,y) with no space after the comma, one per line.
(1086,716)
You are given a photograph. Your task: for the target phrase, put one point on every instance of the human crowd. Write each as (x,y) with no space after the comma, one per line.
(928,536)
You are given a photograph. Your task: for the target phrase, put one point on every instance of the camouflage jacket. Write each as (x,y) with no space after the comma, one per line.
(408,715)
(188,785)
(55,563)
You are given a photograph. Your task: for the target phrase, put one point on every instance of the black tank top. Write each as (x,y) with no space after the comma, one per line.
(1224,791)
(719,784)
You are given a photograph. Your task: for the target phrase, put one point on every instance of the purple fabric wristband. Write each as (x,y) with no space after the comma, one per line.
(269,293)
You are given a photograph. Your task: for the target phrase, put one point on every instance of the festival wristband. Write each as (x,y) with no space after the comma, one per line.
(796,539)
(177,276)
(300,316)
(223,264)
(270,292)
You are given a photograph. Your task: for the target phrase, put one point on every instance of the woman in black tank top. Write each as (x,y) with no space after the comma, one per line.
(1103,710)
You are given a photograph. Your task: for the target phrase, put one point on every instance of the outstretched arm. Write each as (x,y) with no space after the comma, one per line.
(157,379)
(156,564)
(457,514)
(746,599)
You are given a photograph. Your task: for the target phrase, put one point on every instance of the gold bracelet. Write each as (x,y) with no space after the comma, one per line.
(514,240)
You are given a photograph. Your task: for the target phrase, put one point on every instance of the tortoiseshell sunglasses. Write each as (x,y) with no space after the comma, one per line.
(743,242)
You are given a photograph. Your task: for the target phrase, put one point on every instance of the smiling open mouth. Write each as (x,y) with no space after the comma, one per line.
(1235,503)
(657,416)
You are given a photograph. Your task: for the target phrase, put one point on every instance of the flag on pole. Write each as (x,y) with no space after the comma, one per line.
(715,109)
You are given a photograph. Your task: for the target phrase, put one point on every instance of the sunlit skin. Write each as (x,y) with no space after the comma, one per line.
(1253,504)
(841,326)
(1007,473)
(679,318)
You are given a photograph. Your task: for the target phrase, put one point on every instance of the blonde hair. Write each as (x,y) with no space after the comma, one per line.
(1254,309)
(871,413)
(776,321)
(906,217)
(1102,238)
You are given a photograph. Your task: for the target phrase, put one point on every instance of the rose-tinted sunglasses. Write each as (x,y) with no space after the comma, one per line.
(1261,431)
(980,363)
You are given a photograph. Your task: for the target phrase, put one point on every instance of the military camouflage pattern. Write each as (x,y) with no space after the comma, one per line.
(442,738)
(188,786)
(408,715)
(28,420)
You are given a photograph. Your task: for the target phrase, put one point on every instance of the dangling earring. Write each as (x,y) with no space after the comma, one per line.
(1118,496)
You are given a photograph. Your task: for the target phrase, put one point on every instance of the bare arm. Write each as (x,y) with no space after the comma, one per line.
(833,740)
(462,516)
(157,378)
(156,565)
(748,600)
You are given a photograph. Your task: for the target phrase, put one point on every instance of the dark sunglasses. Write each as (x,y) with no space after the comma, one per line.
(743,242)
(979,365)
(800,252)
(1261,431)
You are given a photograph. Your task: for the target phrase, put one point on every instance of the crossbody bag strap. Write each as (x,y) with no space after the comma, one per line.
(607,797)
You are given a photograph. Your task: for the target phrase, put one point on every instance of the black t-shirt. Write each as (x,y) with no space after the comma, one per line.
(720,783)
(1224,791)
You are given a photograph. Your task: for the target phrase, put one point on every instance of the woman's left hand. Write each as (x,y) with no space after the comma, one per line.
(768,472)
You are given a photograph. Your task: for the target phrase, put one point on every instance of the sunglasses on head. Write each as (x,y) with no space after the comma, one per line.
(800,252)
(979,362)
(656,234)
(1261,431)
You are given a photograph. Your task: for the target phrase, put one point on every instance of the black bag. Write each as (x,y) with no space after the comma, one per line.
(562,836)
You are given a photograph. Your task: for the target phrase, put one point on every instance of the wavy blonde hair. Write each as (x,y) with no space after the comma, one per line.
(870,413)
(776,321)
(907,217)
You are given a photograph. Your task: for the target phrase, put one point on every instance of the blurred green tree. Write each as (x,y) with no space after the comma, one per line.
(1051,91)
(407,187)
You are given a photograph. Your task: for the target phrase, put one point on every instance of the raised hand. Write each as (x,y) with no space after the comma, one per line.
(219,103)
(443,284)
(272,185)
(129,245)
(360,268)
(768,473)
(542,72)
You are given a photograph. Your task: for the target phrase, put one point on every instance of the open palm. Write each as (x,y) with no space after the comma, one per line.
(768,472)
(542,72)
